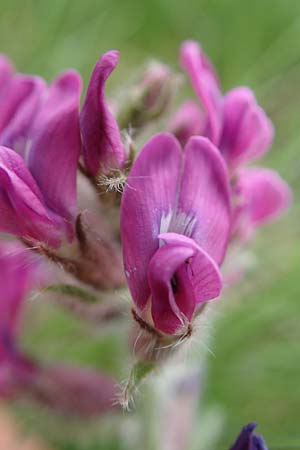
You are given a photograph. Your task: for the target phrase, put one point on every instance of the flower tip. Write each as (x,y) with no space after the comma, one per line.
(189,44)
(69,81)
(250,427)
(188,50)
(109,59)
(209,148)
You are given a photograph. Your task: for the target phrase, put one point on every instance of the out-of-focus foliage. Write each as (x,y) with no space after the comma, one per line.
(254,373)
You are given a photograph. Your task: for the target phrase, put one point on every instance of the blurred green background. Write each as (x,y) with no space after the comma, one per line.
(255,371)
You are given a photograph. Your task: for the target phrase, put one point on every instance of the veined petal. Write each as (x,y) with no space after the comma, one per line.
(101,140)
(205,83)
(55,149)
(181,275)
(188,120)
(204,211)
(147,206)
(263,195)
(247,132)
(16,133)
(23,212)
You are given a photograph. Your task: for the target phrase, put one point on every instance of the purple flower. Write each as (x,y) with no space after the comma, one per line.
(18,273)
(262,195)
(66,388)
(101,140)
(239,127)
(175,221)
(249,440)
(235,123)
(38,190)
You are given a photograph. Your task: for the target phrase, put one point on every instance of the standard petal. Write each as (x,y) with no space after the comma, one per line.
(101,140)
(17,132)
(188,121)
(181,275)
(22,211)
(263,195)
(205,83)
(55,149)
(247,132)
(147,206)
(204,211)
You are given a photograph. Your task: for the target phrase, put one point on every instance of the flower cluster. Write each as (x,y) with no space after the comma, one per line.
(171,206)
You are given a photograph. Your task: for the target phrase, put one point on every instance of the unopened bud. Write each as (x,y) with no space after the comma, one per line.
(149,98)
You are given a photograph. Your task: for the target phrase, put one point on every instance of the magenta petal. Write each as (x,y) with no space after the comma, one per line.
(247,132)
(204,211)
(16,91)
(101,140)
(55,149)
(168,278)
(147,207)
(187,121)
(206,86)
(180,276)
(22,211)
(206,278)
(263,194)
(17,275)
(16,133)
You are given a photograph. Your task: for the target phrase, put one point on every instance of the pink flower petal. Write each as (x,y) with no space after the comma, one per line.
(22,211)
(17,131)
(205,277)
(180,275)
(264,195)
(101,140)
(205,83)
(204,211)
(187,121)
(16,91)
(147,206)
(247,132)
(55,149)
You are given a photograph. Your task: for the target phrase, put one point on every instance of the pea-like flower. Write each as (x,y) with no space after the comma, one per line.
(234,122)
(249,440)
(38,190)
(175,222)
(241,130)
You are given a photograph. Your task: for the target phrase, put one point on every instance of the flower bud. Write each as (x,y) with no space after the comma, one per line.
(149,98)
